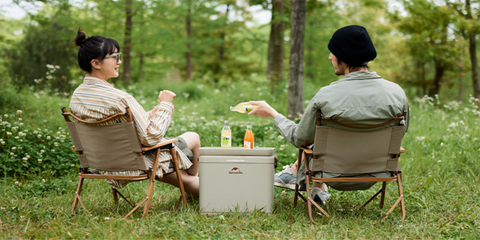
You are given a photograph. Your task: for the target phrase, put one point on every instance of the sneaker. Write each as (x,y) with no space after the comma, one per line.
(285,178)
(320,196)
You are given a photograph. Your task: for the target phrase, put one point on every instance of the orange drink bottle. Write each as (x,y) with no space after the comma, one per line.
(248,141)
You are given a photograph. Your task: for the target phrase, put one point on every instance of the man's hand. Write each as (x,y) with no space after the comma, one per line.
(166,96)
(263,109)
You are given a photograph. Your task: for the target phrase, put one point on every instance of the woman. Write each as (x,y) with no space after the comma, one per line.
(97,99)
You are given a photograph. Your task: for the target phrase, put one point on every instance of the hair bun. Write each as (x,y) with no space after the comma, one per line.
(80,38)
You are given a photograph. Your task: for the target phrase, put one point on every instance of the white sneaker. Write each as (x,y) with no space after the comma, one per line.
(285,178)
(320,196)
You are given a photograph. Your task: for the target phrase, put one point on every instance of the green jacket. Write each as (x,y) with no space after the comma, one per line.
(359,98)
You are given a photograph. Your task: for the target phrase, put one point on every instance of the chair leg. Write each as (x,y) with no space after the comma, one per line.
(179,177)
(299,161)
(310,200)
(124,198)
(115,196)
(309,203)
(373,197)
(399,200)
(400,192)
(382,198)
(77,196)
(149,193)
(135,208)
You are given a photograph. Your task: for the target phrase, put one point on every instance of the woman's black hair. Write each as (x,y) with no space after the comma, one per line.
(96,47)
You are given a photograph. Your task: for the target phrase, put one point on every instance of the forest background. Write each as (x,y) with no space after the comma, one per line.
(213,54)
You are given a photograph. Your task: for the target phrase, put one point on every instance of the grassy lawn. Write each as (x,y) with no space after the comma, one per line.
(440,179)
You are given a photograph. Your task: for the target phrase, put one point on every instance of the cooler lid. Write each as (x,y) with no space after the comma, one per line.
(236,151)
(229,159)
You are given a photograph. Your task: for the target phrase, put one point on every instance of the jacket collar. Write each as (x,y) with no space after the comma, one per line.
(96,81)
(360,75)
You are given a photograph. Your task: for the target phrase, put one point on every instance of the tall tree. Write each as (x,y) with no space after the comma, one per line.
(468,25)
(45,55)
(296,64)
(276,42)
(276,46)
(427,27)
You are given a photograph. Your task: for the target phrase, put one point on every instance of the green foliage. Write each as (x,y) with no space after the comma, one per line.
(45,55)
(32,153)
(33,138)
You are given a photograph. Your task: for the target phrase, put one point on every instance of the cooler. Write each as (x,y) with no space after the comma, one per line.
(236,179)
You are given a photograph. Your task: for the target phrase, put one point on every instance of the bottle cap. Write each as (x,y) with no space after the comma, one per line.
(226,122)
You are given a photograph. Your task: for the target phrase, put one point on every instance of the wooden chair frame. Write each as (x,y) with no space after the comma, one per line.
(149,175)
(309,176)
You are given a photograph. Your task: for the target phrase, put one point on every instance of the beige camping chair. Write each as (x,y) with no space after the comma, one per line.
(116,147)
(354,152)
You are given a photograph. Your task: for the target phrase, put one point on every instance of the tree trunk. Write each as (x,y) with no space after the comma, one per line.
(472,48)
(435,88)
(127,43)
(277,42)
(295,84)
(188,54)
(221,49)
(217,69)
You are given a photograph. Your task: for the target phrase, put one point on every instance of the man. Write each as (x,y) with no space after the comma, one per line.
(359,98)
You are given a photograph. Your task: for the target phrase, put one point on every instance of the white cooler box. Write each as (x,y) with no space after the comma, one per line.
(236,179)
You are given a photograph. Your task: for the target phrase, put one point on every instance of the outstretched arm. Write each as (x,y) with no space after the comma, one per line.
(263,110)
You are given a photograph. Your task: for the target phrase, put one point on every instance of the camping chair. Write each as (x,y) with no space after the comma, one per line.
(350,152)
(116,148)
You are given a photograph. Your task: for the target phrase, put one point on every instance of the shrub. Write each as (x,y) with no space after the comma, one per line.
(30,153)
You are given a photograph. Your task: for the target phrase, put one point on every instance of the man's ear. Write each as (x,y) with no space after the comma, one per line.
(96,64)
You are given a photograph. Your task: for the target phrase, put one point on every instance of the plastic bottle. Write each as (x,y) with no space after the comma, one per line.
(226,138)
(248,141)
(243,107)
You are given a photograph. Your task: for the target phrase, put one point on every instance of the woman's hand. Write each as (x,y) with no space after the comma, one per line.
(166,96)
(263,110)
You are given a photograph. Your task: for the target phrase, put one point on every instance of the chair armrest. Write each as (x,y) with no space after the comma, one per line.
(148,148)
(402,150)
(307,150)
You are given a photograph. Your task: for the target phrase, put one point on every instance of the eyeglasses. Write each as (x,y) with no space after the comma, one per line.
(118,57)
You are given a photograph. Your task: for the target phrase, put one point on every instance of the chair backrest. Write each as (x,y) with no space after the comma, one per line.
(113,147)
(355,152)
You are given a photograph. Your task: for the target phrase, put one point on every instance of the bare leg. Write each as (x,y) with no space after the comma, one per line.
(193,142)
(191,183)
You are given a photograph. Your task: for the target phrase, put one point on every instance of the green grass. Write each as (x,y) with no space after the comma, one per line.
(440,179)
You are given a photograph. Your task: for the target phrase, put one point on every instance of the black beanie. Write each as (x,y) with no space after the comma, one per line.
(352,45)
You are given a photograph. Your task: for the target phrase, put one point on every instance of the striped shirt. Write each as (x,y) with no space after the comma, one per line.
(97,99)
